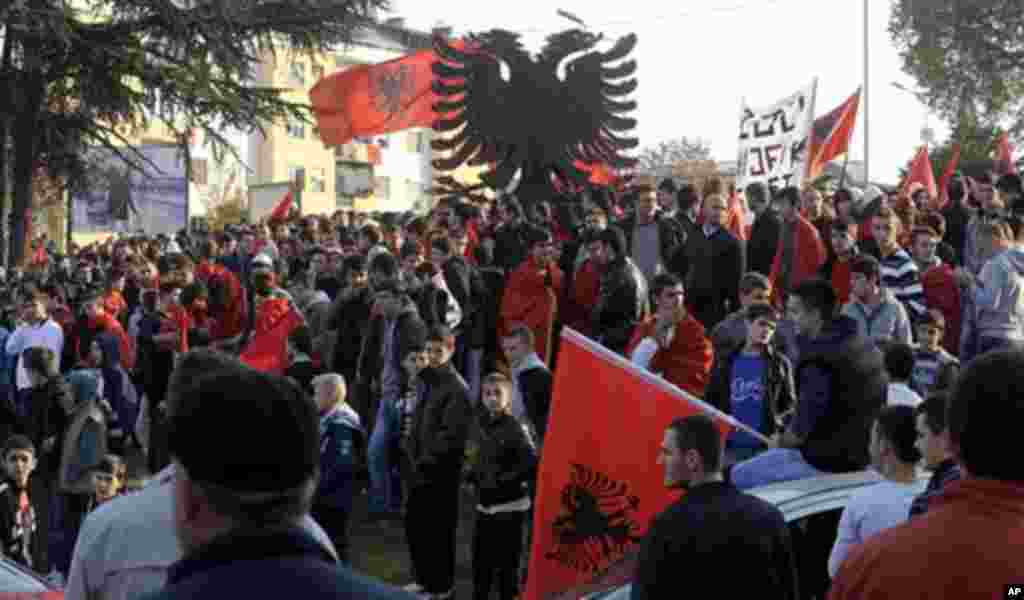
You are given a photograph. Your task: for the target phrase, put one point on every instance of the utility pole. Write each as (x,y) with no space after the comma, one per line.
(867,120)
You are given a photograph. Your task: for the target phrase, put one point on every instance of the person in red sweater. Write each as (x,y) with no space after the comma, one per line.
(101,321)
(671,342)
(941,291)
(970,542)
(800,252)
(532,292)
(836,269)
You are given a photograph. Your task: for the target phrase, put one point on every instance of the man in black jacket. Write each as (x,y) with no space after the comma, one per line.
(434,439)
(622,296)
(764,234)
(711,525)
(841,384)
(717,261)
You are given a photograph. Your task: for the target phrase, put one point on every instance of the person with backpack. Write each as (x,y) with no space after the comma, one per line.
(342,454)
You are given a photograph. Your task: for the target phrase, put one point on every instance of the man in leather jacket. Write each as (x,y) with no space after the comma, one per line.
(622,296)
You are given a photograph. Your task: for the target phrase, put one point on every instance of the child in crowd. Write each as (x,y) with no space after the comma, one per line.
(17,509)
(506,464)
(754,384)
(929,356)
(899,363)
(108,480)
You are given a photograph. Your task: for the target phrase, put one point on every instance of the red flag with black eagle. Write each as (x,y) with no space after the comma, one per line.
(368,100)
(267,349)
(599,486)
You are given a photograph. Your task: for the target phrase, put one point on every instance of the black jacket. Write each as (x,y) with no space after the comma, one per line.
(510,247)
(535,386)
(436,443)
(854,389)
(48,417)
(713,283)
(468,287)
(780,391)
(714,524)
(620,304)
(506,459)
(267,563)
(764,240)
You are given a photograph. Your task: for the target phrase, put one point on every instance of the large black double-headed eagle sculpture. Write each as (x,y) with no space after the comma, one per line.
(501,108)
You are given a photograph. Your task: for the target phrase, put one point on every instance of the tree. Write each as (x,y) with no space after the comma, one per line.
(668,153)
(76,75)
(967,59)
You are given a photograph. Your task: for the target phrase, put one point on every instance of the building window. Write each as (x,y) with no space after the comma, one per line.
(382,188)
(318,180)
(296,129)
(297,174)
(352,180)
(318,72)
(297,73)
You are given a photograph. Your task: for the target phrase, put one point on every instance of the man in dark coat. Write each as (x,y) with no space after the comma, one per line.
(764,234)
(622,292)
(239,506)
(712,524)
(717,261)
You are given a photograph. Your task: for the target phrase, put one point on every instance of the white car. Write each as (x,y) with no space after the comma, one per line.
(812,508)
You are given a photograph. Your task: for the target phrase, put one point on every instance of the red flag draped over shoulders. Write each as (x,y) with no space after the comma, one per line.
(267,350)
(686,363)
(229,320)
(528,299)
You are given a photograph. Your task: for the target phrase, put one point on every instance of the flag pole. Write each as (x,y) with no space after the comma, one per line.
(842,176)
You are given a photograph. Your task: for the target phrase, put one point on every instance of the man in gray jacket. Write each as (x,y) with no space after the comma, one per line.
(998,291)
(879,315)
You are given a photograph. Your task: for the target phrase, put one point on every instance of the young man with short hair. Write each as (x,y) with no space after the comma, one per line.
(970,544)
(898,271)
(731,334)
(18,515)
(841,384)
(879,315)
(671,342)
(933,444)
(836,269)
(929,355)
(885,504)
(713,522)
(531,380)
(899,364)
(753,384)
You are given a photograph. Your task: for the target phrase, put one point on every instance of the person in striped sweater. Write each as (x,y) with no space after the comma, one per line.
(899,271)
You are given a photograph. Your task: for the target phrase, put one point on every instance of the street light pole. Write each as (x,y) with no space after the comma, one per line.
(867,121)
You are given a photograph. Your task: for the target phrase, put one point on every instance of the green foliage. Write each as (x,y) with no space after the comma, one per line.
(75,75)
(967,58)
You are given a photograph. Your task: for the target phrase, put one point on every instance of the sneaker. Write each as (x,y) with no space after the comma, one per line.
(413,588)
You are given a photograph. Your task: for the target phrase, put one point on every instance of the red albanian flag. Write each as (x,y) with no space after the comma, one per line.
(368,100)
(599,485)
(267,350)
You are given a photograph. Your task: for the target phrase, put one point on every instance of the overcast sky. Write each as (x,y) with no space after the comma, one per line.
(695,63)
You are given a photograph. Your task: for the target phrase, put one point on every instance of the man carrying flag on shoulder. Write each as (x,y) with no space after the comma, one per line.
(711,524)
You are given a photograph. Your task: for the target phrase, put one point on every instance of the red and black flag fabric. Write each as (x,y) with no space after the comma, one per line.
(599,486)
(831,135)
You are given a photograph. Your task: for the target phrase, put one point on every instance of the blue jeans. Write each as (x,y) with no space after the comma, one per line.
(772,466)
(385,478)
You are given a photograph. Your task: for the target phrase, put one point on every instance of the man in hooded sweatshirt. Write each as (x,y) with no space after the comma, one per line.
(998,290)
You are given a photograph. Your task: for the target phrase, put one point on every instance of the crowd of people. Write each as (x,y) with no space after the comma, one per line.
(832,326)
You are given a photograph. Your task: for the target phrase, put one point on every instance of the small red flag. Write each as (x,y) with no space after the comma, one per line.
(831,135)
(1004,162)
(280,212)
(920,172)
(588,463)
(947,175)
